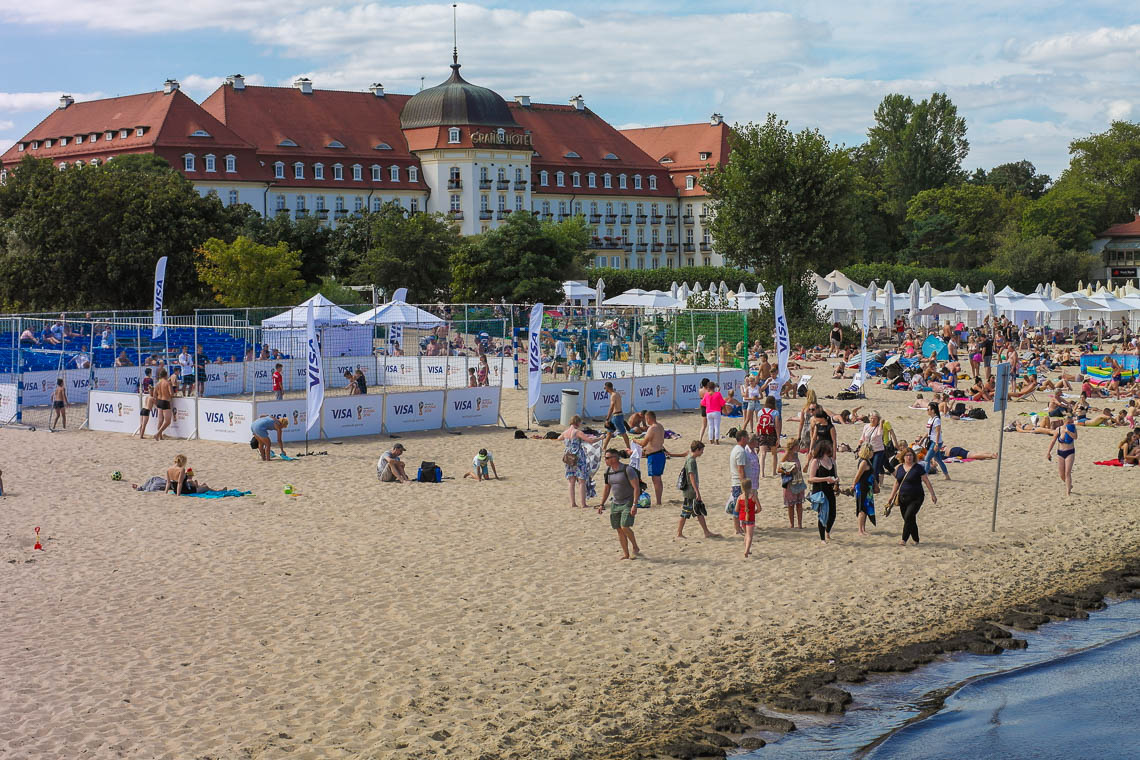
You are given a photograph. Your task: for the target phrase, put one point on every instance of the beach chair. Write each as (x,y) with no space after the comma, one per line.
(856,383)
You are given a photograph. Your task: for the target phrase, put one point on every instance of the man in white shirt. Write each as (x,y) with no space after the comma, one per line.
(389,468)
(737,464)
(82,360)
(559,356)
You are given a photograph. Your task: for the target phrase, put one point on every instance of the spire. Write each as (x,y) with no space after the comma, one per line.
(454,39)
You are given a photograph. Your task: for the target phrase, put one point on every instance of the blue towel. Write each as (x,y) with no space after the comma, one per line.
(219,494)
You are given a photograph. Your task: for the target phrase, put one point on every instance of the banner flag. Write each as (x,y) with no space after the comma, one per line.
(401,294)
(534,357)
(314,374)
(159,292)
(863,344)
(783,340)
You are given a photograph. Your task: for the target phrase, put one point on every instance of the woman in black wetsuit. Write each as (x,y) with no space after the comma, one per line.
(822,428)
(823,477)
(910,477)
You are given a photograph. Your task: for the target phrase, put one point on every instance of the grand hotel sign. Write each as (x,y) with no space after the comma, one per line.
(501,137)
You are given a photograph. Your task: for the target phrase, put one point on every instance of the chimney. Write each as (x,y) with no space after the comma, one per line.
(523,100)
(65,101)
(169,86)
(376,89)
(237,81)
(578,102)
(716,119)
(304,84)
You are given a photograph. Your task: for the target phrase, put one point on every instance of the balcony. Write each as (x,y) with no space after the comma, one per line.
(655,219)
(656,246)
(454,214)
(503,213)
(640,219)
(546,216)
(301,213)
(688,247)
(670,247)
(282,212)
(563,216)
(520,184)
(455,184)
(687,219)
(598,243)
(340,213)
(322,213)
(626,218)
(484,215)
(503,184)
(670,217)
(595,218)
(706,247)
(611,218)
(484,184)
(704,219)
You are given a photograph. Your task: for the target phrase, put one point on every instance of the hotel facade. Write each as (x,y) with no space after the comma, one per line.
(457,149)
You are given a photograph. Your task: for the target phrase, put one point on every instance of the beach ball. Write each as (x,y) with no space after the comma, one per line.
(116,475)
(643,500)
(288,488)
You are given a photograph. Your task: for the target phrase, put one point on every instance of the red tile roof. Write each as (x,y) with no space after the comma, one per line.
(1124,229)
(169,121)
(558,130)
(683,144)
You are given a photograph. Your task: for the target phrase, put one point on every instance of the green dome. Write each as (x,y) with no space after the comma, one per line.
(454,103)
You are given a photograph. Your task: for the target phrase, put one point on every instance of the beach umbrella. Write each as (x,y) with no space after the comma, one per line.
(961,301)
(832,288)
(577,291)
(989,287)
(697,289)
(723,288)
(889,297)
(741,289)
(674,289)
(599,291)
(843,282)
(684,292)
(844,300)
(913,293)
(630,297)
(1110,303)
(760,289)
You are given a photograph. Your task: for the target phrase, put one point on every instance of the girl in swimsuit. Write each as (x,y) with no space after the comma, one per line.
(1065,439)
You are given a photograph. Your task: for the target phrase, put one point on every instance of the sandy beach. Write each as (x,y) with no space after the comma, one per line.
(478,620)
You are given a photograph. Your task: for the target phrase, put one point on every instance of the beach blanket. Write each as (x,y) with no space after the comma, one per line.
(672,434)
(219,494)
(1111,463)
(285,457)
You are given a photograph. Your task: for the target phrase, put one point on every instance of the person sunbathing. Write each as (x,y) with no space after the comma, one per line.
(1025,388)
(960,453)
(1104,418)
(1041,425)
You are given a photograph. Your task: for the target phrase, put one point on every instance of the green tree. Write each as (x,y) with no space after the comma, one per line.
(957,226)
(1110,160)
(523,261)
(1027,261)
(916,147)
(245,273)
(782,202)
(308,236)
(392,249)
(1073,213)
(1015,178)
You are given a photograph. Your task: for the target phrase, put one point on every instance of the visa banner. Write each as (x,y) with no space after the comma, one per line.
(404,412)
(471,406)
(597,399)
(654,392)
(220,420)
(353,415)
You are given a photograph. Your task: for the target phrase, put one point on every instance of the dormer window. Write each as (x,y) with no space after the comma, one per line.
(286,143)
(78,141)
(383,146)
(607,180)
(544,178)
(139,131)
(375,173)
(35,144)
(357,173)
(20,148)
(413,174)
(279,170)
(338,172)
(123,133)
(231,164)
(453,135)
(705,155)
(560,179)
(610,157)
(621,181)
(336,144)
(592,179)
(94,137)
(210,163)
(690,181)
(652,181)
(298,170)
(195,133)
(188,162)
(572,154)
(47,143)
(94,162)
(394,173)
(576,179)
(665,160)
(318,171)
(63,142)
(637,182)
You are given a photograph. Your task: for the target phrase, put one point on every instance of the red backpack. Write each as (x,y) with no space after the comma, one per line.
(766,423)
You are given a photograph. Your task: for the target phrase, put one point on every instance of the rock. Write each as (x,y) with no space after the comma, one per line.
(891,663)
(831,694)
(730,723)
(1028,621)
(687,750)
(1061,611)
(851,674)
(793,703)
(717,740)
(991,631)
(1015,643)
(440,735)
(772,723)
(983,646)
(752,742)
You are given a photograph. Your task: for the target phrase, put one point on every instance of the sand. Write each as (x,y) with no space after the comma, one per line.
(474,620)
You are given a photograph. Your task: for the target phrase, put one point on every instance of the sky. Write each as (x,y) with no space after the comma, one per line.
(1027,77)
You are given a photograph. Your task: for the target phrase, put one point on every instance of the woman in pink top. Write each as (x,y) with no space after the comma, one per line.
(713,403)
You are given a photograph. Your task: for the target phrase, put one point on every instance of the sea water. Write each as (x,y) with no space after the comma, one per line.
(1071,693)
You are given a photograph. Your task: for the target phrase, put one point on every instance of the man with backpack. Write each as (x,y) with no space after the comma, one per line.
(622,481)
(768,431)
(689,484)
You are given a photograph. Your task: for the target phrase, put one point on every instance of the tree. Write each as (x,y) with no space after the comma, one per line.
(956,226)
(391,249)
(781,203)
(916,146)
(523,261)
(1016,178)
(308,236)
(1110,160)
(245,273)
(1028,261)
(1073,213)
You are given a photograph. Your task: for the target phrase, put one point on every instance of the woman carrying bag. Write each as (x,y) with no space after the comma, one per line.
(823,477)
(910,478)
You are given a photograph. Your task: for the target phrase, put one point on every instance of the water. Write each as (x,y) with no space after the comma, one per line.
(1063,697)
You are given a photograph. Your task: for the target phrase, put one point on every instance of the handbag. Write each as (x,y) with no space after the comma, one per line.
(570,459)
(817,499)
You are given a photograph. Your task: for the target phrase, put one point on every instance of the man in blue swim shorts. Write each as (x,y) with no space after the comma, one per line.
(653,443)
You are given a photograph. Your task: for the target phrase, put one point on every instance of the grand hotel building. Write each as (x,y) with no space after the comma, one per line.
(456,148)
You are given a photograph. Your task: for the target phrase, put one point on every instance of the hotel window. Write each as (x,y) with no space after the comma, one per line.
(609,208)
(338,171)
(394,173)
(357,173)
(233,198)
(139,131)
(456,198)
(300,205)
(668,234)
(652,182)
(279,170)
(453,174)
(94,137)
(501,175)
(640,235)
(592,179)
(616,262)
(544,178)
(483,175)
(621,182)
(63,142)
(690,181)
(607,180)
(123,134)
(318,171)
(211,164)
(231,164)
(414,205)
(705,237)
(484,202)
(279,203)
(689,236)
(320,203)
(545,207)
(593,208)
(48,143)
(502,203)
(108,135)
(518,203)
(453,135)
(518,175)
(298,170)
(560,179)
(357,204)
(78,141)
(577,208)
(188,162)
(562,208)
(377,203)
(375,173)
(654,235)
(338,204)
(413,174)
(576,179)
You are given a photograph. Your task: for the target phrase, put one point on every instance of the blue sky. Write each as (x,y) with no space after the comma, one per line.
(1028,78)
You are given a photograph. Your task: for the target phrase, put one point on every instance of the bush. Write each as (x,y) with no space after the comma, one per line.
(940,278)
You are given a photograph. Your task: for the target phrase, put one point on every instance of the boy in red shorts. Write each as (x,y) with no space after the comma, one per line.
(747,506)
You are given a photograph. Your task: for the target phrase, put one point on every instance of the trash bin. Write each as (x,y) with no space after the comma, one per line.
(569,404)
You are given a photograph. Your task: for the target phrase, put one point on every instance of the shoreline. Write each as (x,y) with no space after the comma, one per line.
(772,708)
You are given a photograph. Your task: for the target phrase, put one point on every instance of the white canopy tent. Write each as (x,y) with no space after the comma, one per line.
(338,335)
(398,312)
(649,299)
(843,282)
(578,292)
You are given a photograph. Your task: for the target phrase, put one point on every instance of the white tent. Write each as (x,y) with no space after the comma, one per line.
(844,300)
(1110,303)
(744,300)
(398,313)
(843,282)
(338,336)
(650,299)
(577,292)
(961,301)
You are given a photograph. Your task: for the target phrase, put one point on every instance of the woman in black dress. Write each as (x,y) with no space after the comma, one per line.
(823,477)
(910,477)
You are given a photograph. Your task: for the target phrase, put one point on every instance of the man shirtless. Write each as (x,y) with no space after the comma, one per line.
(163,395)
(615,416)
(653,443)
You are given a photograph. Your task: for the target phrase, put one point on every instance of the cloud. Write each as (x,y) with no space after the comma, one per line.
(157,16)
(1081,46)
(38,101)
(6,125)
(199,86)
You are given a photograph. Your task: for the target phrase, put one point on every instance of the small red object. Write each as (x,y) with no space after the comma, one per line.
(38,546)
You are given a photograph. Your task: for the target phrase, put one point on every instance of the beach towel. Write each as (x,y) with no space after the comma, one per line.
(285,457)
(1111,463)
(672,434)
(219,494)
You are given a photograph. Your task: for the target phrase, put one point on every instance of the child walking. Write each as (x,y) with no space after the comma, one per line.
(278,382)
(747,506)
(792,478)
(59,404)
